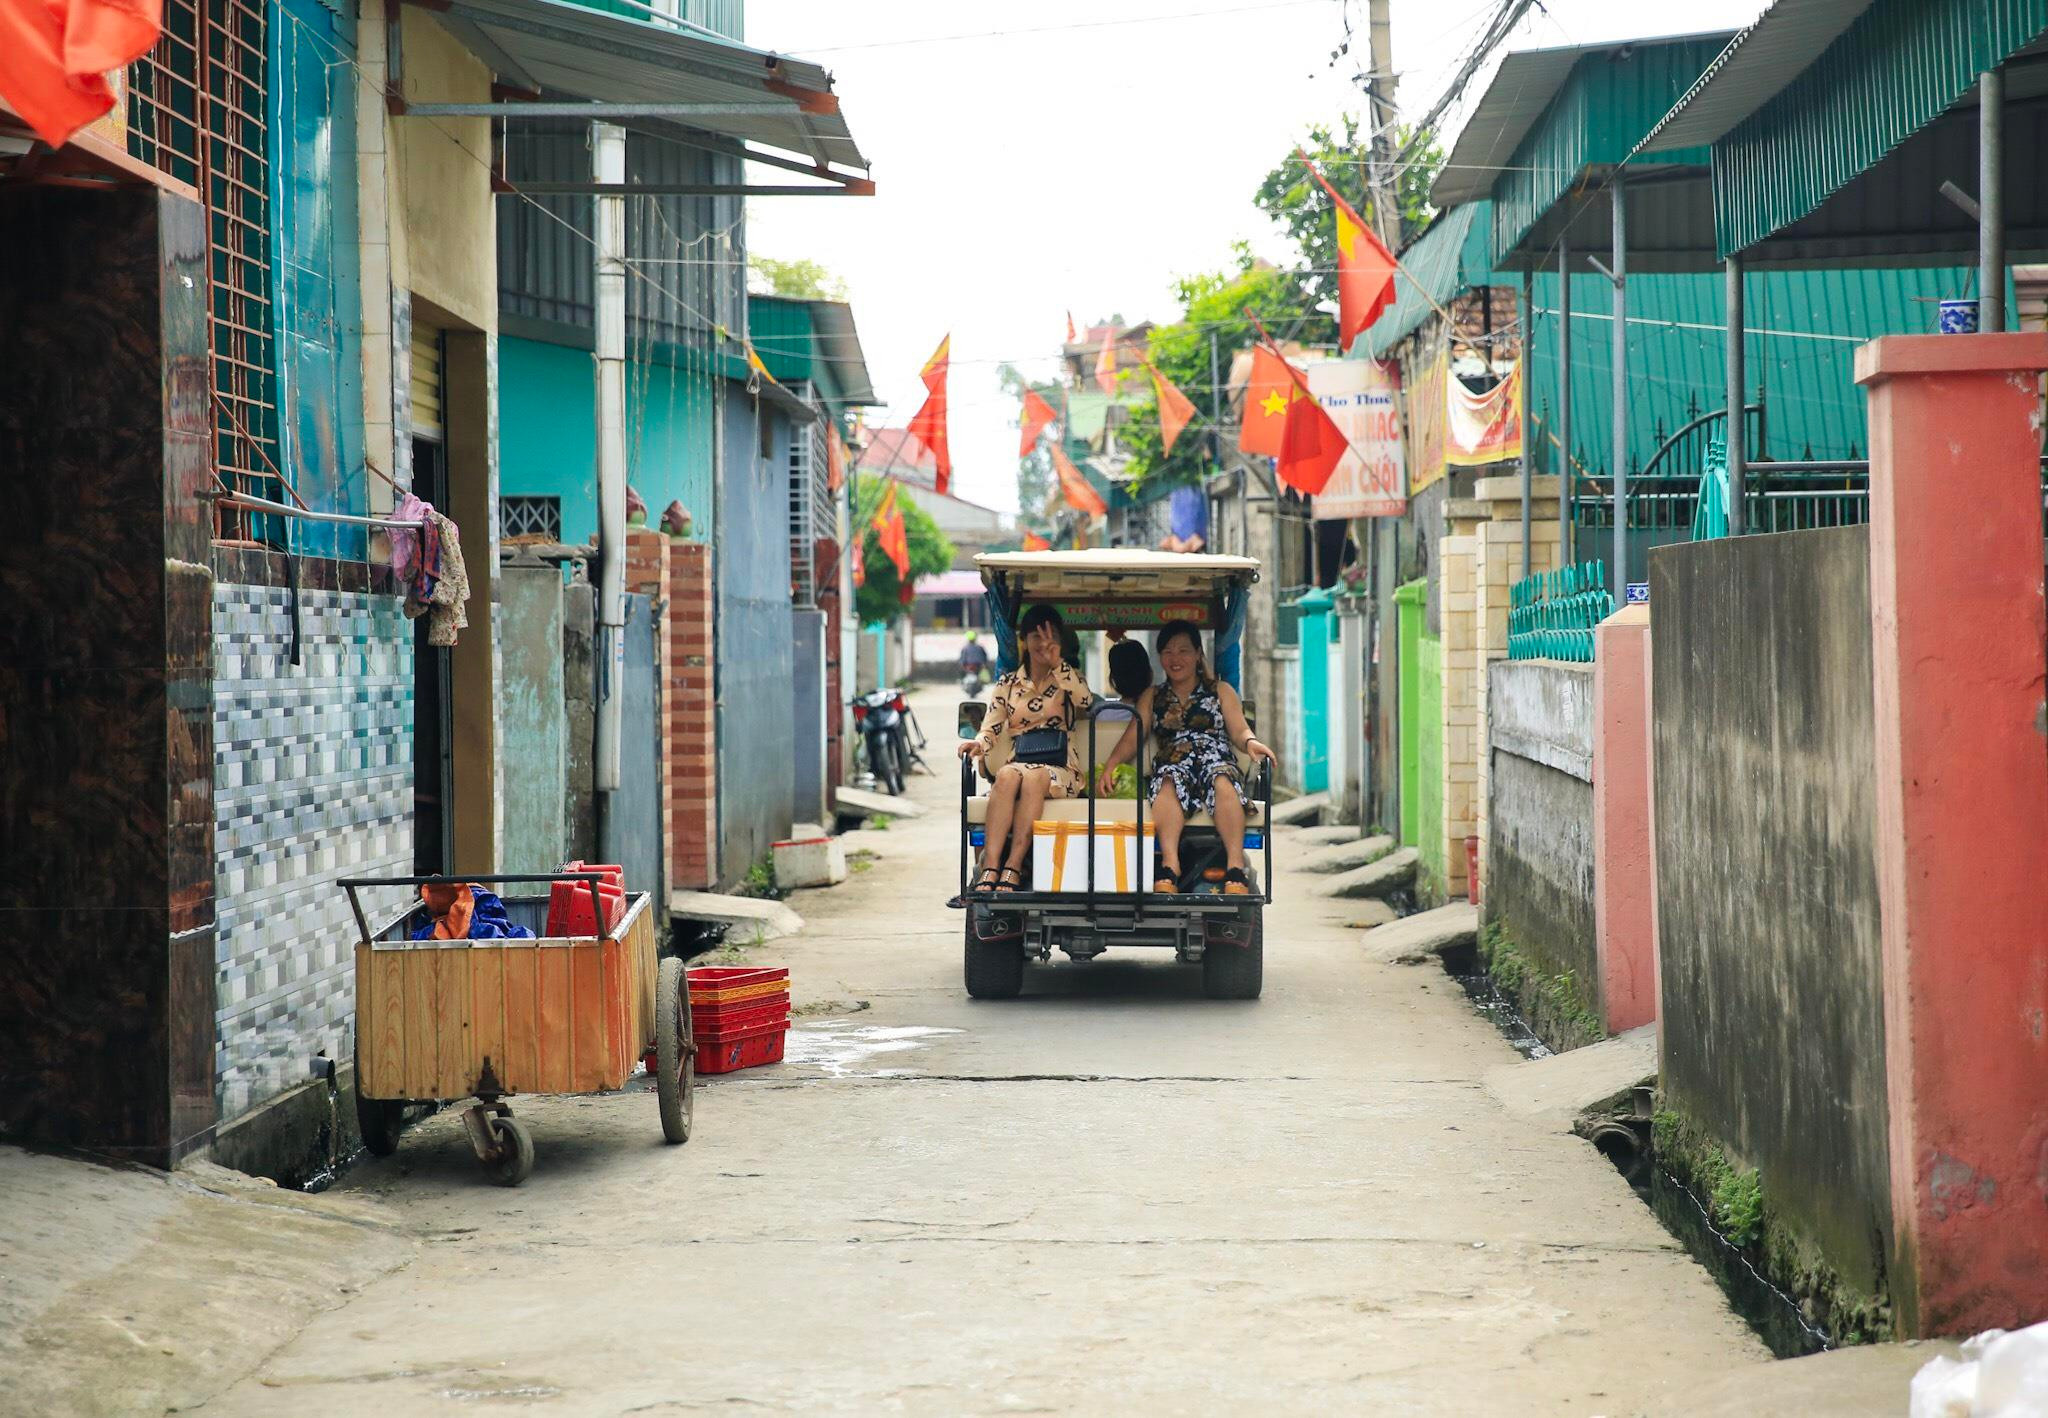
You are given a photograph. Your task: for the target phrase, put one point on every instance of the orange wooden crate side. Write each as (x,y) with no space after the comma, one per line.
(592,1063)
(422,1039)
(521,1068)
(553,1034)
(452,1009)
(618,1006)
(387,1026)
(487,1009)
(646,970)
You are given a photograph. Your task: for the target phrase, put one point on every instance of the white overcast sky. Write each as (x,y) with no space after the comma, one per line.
(1083,158)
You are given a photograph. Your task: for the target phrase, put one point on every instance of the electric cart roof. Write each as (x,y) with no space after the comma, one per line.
(1110,586)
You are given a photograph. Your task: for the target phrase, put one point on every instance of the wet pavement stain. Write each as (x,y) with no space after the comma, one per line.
(839,1048)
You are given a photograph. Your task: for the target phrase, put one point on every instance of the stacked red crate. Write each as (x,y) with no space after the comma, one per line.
(740,1015)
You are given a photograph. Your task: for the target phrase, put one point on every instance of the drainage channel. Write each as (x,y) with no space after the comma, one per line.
(1772,1315)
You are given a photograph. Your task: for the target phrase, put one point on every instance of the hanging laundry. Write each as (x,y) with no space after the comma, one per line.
(416,555)
(447,597)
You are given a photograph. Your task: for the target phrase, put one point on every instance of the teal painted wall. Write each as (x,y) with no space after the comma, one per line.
(547,439)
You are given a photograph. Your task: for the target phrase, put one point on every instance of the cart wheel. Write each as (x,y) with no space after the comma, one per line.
(512,1161)
(1237,971)
(675,1051)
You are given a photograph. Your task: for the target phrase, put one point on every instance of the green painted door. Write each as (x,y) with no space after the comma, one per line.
(1422,727)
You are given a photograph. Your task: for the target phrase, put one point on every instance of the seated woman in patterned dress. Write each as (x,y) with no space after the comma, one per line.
(1045,692)
(1194,720)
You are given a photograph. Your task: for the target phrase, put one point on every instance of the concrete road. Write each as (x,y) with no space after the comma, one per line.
(1110,1196)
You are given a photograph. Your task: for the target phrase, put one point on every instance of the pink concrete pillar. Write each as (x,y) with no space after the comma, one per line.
(1624,897)
(1959,628)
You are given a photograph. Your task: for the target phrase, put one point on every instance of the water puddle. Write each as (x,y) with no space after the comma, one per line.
(839,1048)
(1498,1009)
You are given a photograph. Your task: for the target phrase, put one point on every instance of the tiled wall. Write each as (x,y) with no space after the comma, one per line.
(313,781)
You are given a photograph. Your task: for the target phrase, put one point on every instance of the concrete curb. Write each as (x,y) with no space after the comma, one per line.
(1415,939)
(1346,855)
(1377,879)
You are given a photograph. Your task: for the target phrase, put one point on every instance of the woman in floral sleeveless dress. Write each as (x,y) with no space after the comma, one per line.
(1194,720)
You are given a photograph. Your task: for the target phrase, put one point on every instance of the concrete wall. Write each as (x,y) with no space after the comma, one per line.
(444,177)
(1772,1008)
(1539,885)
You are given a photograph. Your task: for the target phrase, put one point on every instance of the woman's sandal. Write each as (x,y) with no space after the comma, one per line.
(1167,882)
(1236,883)
(1003,882)
(985,884)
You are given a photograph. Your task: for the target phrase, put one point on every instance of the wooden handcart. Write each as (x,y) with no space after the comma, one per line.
(442,1021)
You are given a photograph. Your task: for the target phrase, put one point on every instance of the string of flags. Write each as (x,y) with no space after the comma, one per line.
(928,426)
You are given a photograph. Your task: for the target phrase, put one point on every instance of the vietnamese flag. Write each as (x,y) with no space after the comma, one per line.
(1176,410)
(1079,493)
(1273,386)
(55,54)
(929,426)
(1310,447)
(1365,268)
(1037,415)
(1034,542)
(1070,327)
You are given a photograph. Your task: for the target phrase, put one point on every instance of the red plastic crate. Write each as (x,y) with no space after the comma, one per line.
(728,1053)
(715,985)
(738,1021)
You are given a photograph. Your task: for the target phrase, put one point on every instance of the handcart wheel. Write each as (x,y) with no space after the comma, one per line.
(675,1051)
(377,1119)
(512,1159)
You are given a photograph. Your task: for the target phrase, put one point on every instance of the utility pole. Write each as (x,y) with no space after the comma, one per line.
(608,158)
(1386,207)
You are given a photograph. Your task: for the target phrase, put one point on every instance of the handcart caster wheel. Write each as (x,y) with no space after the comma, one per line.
(511,1159)
(675,1051)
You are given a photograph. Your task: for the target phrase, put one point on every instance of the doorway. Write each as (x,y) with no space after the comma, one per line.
(433,783)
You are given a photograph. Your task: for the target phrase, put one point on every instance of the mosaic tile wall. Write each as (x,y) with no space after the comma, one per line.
(313,781)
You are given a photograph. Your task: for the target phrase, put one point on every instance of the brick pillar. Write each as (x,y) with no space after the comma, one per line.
(1624,895)
(691,705)
(647,574)
(1497,565)
(1957,652)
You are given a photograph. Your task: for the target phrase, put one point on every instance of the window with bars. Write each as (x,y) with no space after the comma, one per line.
(530,517)
(810,510)
(198,109)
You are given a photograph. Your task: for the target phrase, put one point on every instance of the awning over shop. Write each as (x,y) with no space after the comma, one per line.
(1551,127)
(659,75)
(1452,256)
(1836,123)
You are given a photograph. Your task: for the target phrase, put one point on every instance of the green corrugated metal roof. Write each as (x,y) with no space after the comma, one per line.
(780,329)
(1614,96)
(1452,256)
(1896,69)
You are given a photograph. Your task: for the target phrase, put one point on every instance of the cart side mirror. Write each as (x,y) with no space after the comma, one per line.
(971,714)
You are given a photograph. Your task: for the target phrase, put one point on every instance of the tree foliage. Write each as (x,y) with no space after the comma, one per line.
(801,279)
(1293,198)
(880,595)
(1213,304)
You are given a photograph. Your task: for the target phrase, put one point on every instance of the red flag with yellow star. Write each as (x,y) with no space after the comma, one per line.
(1037,415)
(1176,410)
(1266,397)
(1311,446)
(1365,268)
(929,426)
(1078,491)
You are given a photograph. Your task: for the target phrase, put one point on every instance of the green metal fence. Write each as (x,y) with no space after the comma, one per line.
(1551,615)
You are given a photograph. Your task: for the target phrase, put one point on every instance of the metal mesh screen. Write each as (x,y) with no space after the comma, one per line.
(198,110)
(530,517)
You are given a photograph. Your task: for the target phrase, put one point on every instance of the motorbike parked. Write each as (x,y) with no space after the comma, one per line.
(879,716)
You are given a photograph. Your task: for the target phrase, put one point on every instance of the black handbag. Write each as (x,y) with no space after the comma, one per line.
(1046,746)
